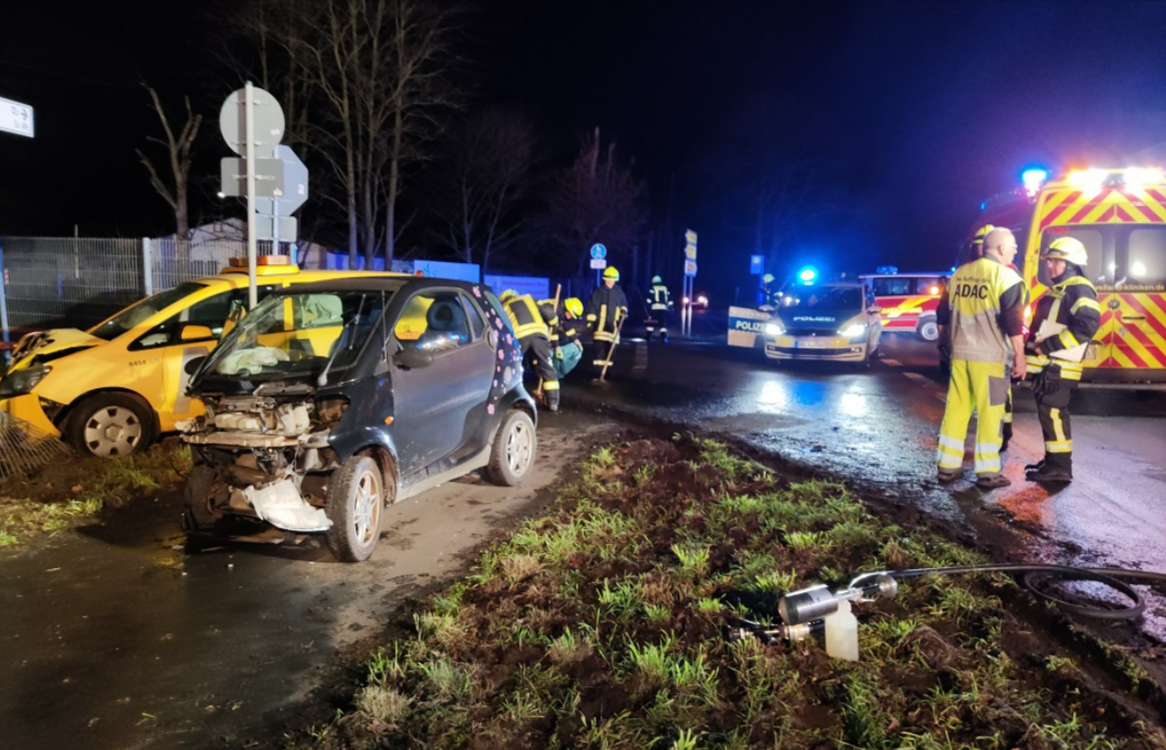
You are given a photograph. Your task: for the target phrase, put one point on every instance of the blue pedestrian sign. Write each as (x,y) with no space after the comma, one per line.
(756,264)
(598,251)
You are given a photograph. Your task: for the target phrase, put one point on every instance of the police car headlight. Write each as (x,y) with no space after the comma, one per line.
(853,331)
(22,381)
(773,329)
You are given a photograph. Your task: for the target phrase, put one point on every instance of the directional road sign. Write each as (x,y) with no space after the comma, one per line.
(690,268)
(598,252)
(16,118)
(690,246)
(598,263)
(268,115)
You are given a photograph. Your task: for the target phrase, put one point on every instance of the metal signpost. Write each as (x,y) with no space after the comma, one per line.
(598,261)
(689,275)
(270,176)
(16,118)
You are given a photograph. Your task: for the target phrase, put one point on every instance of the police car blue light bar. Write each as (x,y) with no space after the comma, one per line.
(807,275)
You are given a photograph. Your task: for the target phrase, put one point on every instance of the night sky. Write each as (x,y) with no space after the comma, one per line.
(923,109)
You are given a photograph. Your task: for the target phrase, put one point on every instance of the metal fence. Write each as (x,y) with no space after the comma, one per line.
(78,282)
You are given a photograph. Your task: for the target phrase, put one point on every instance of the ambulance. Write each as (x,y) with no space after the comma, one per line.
(1120,217)
(908,300)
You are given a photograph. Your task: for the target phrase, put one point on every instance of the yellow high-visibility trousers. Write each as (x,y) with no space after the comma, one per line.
(982,386)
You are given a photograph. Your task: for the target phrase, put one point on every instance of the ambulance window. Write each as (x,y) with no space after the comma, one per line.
(1094,244)
(928,285)
(1147,263)
(891,286)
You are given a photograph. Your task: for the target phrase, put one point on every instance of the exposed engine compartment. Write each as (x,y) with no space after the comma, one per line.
(264,456)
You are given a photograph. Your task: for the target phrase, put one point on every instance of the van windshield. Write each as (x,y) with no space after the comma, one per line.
(139,312)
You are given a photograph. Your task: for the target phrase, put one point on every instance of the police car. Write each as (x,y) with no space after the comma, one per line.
(832,321)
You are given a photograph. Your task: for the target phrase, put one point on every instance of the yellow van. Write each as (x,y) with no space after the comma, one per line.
(1120,217)
(111,390)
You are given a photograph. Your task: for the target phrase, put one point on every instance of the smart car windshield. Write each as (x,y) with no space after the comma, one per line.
(297,334)
(135,314)
(808,298)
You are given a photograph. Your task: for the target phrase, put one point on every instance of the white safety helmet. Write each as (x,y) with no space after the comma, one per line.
(1068,249)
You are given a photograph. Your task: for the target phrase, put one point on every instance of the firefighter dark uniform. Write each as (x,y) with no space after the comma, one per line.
(766,296)
(567,328)
(660,307)
(534,336)
(605,310)
(1066,318)
(980,312)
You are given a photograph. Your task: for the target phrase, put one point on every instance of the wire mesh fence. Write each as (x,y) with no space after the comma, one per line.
(78,282)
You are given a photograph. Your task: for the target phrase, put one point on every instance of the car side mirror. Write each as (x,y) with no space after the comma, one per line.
(413,359)
(196,333)
(192,365)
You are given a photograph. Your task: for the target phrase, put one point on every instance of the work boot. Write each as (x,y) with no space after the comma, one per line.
(1034,467)
(552,400)
(992,481)
(946,476)
(1051,474)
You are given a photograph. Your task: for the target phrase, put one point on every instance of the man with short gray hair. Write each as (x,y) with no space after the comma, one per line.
(979,315)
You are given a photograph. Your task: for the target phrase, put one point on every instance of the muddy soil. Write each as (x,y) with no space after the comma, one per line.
(117,636)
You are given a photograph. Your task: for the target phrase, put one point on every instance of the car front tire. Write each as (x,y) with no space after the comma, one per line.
(515,445)
(108,425)
(355,499)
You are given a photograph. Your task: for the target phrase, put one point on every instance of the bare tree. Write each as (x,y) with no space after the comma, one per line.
(490,176)
(597,200)
(178,144)
(376,76)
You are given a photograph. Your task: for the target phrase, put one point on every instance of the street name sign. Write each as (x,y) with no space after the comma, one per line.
(16,118)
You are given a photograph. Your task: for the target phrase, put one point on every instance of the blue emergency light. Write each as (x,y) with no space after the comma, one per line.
(807,275)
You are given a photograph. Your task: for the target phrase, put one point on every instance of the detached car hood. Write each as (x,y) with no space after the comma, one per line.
(57,341)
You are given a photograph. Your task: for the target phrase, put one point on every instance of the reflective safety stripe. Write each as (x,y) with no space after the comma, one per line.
(952,443)
(1058,425)
(525,317)
(948,461)
(1072,370)
(550,385)
(1068,339)
(1085,302)
(987,448)
(987,463)
(1059,446)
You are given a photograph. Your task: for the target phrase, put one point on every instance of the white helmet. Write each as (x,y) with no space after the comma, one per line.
(1068,249)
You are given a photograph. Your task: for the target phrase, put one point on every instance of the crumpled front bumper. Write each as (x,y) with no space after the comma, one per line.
(27,408)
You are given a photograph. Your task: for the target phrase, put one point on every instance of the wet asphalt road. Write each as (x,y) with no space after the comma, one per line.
(878,428)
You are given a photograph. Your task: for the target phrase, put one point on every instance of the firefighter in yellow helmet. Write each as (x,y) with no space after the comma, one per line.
(1066,318)
(982,313)
(606,308)
(660,308)
(534,337)
(566,328)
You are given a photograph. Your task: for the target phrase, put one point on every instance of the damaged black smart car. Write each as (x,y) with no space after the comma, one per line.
(332,400)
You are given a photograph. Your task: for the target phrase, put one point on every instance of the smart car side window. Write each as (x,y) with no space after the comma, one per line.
(473,316)
(434,320)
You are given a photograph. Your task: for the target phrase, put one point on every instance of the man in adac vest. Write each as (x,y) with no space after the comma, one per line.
(660,307)
(606,308)
(981,313)
(1066,318)
(534,336)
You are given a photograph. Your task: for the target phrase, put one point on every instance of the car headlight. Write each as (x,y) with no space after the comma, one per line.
(22,381)
(853,331)
(773,329)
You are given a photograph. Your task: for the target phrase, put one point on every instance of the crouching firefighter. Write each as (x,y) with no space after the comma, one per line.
(1066,318)
(606,310)
(534,337)
(567,330)
(660,308)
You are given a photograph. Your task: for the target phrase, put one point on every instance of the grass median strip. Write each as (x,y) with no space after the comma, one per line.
(60,494)
(601,625)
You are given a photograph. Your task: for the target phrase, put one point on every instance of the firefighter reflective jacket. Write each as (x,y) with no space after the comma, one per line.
(604,310)
(525,317)
(1070,315)
(982,306)
(659,300)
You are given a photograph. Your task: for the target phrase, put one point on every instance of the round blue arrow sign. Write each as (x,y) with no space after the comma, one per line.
(598,251)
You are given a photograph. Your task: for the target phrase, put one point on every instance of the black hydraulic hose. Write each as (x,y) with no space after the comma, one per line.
(1033,574)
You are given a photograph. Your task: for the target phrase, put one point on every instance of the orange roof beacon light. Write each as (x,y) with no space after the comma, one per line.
(262,260)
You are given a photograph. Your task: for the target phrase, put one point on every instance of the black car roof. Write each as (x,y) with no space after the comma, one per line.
(375,284)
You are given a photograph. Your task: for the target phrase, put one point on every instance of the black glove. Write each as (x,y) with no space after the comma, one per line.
(1047,381)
